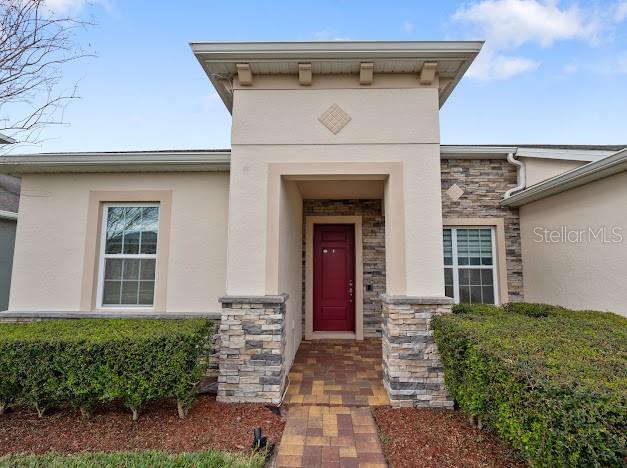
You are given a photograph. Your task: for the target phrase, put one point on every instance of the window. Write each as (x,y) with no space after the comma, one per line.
(469,265)
(129,255)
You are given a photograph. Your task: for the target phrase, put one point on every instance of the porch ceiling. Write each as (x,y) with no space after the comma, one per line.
(341,189)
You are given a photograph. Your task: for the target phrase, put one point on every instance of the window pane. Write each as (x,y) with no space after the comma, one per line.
(486,246)
(114,230)
(132,229)
(448,276)
(129,292)
(113,269)
(462,246)
(464,294)
(475,294)
(448,247)
(147,269)
(475,277)
(146,292)
(111,293)
(131,269)
(486,277)
(464,276)
(448,291)
(488,295)
(150,224)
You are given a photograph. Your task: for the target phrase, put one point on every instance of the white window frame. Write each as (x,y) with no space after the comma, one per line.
(455,266)
(102,256)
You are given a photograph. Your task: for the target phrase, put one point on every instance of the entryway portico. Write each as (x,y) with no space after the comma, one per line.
(341,120)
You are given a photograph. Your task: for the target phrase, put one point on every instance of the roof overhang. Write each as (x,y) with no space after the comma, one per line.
(159,161)
(577,177)
(564,154)
(475,152)
(219,60)
(8,215)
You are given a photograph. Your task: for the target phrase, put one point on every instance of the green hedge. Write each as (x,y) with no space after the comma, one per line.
(83,362)
(207,459)
(551,381)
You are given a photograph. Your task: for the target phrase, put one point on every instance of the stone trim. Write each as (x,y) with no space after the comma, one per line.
(415,299)
(413,374)
(252,364)
(279,299)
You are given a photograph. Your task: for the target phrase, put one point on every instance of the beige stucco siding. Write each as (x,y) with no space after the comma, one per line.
(50,251)
(539,169)
(290,268)
(279,127)
(583,273)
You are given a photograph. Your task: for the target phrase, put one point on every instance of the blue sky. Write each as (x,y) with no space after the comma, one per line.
(551,71)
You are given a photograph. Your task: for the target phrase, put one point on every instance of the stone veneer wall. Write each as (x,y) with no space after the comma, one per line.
(373,233)
(252,356)
(484,181)
(413,374)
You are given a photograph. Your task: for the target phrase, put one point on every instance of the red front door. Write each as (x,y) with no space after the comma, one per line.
(334,277)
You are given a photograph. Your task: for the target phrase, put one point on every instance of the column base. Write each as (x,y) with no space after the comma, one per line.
(252,364)
(413,374)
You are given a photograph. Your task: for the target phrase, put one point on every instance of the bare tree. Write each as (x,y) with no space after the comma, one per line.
(35,43)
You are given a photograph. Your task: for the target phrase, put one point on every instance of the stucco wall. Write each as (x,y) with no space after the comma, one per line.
(373,238)
(400,126)
(539,169)
(290,268)
(7,241)
(583,272)
(51,237)
(484,182)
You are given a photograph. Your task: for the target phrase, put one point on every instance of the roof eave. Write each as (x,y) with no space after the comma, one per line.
(108,162)
(577,177)
(332,50)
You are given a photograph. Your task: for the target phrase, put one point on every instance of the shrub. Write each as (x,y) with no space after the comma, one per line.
(476,309)
(531,309)
(83,362)
(554,386)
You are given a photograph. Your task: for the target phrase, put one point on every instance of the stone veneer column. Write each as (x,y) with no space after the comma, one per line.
(412,372)
(252,357)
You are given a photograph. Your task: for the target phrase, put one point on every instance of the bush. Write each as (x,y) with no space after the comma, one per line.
(83,362)
(207,459)
(550,381)
(531,309)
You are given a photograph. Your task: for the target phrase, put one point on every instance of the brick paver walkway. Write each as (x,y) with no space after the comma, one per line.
(329,423)
(337,373)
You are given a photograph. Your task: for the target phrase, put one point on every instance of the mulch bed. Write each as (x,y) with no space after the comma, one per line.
(209,425)
(431,438)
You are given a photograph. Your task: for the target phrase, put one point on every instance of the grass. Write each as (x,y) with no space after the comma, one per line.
(208,459)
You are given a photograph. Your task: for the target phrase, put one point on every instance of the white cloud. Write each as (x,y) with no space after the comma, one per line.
(489,66)
(620,13)
(408,27)
(511,23)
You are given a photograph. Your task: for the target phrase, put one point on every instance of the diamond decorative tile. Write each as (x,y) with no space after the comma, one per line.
(334,118)
(454,192)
